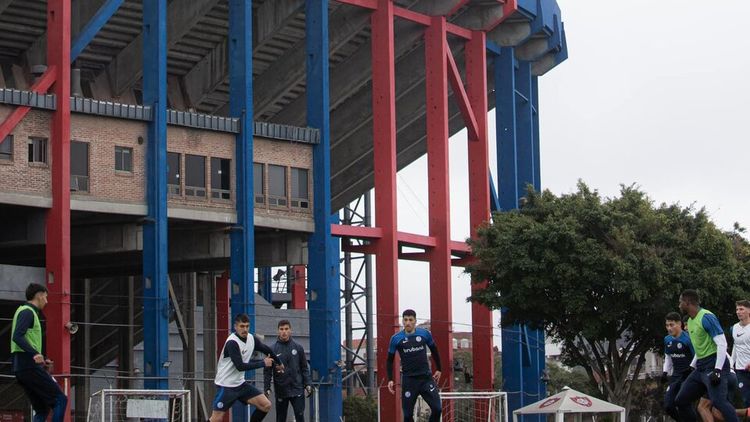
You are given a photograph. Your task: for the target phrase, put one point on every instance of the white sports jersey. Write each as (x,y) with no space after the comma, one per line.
(226,374)
(741,351)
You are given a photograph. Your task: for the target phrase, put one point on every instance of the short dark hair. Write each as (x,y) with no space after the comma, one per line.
(673,316)
(284,322)
(744,303)
(241,318)
(409,312)
(33,289)
(691,296)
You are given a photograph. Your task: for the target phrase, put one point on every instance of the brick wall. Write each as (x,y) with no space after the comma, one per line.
(106,184)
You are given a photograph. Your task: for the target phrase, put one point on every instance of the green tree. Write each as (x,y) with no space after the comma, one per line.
(575,378)
(599,274)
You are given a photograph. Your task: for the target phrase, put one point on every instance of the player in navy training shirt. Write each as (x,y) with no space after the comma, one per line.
(411,343)
(678,353)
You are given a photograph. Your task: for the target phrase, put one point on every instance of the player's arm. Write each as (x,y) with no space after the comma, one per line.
(713,328)
(260,347)
(267,376)
(23,323)
(304,367)
(391,356)
(668,365)
(232,351)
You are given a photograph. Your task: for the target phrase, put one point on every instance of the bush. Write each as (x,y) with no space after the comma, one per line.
(360,409)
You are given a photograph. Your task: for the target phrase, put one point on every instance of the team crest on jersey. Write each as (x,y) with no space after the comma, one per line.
(294,351)
(220,405)
(419,338)
(679,345)
(407,394)
(583,401)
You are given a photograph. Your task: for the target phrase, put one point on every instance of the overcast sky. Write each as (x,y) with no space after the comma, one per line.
(653,93)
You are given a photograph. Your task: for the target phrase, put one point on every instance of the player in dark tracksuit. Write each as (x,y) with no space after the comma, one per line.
(678,353)
(27,351)
(412,343)
(294,383)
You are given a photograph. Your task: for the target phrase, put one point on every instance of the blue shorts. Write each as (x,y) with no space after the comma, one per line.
(226,396)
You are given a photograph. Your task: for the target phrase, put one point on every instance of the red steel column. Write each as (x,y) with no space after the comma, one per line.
(299,297)
(222,319)
(384,152)
(58,218)
(479,202)
(436,51)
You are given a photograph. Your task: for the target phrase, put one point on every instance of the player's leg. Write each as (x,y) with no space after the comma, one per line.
(255,397)
(282,405)
(669,395)
(298,405)
(431,395)
(409,394)
(718,396)
(223,401)
(743,384)
(47,392)
(706,410)
(690,391)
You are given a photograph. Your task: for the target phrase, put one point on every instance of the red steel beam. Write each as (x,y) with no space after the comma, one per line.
(416,240)
(222,317)
(436,70)
(57,248)
(299,294)
(461,97)
(426,20)
(384,159)
(367,4)
(356,232)
(479,203)
(40,86)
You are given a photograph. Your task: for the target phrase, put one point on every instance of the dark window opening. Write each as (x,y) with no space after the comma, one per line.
(6,148)
(277,185)
(123,159)
(173,173)
(79,166)
(38,150)
(258,184)
(220,178)
(195,175)
(300,197)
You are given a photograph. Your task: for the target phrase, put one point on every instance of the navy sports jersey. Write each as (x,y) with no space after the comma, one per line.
(680,350)
(412,348)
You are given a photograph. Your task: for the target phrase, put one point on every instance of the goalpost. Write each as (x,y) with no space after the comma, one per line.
(468,406)
(111,405)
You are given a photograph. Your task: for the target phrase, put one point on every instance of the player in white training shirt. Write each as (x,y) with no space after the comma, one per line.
(741,352)
(230,372)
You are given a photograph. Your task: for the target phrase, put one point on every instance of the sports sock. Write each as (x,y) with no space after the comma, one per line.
(258,415)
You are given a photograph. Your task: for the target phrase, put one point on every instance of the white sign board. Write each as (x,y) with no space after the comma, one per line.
(150,409)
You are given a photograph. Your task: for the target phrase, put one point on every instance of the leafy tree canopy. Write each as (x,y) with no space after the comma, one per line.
(599,274)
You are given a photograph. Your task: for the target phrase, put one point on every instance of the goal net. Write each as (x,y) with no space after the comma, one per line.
(127,405)
(467,406)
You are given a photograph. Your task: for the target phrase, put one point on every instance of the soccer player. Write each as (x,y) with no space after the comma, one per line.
(230,372)
(712,367)
(294,383)
(678,353)
(741,352)
(411,343)
(28,357)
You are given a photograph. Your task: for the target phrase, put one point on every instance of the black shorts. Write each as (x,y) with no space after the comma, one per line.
(226,396)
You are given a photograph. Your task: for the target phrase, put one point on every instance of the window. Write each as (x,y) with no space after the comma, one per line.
(123,159)
(277,185)
(38,150)
(6,148)
(299,188)
(79,166)
(464,343)
(173,173)
(195,175)
(220,181)
(260,194)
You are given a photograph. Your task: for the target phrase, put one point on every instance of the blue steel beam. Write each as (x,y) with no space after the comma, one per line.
(155,295)
(242,235)
(264,276)
(323,262)
(96,23)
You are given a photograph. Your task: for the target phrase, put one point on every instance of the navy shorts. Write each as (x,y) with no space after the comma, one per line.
(226,396)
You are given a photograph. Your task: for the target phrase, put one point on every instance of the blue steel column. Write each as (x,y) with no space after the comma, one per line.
(518,166)
(155,296)
(323,262)
(242,236)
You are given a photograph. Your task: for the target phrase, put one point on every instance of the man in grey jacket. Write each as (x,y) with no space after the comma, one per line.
(294,383)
